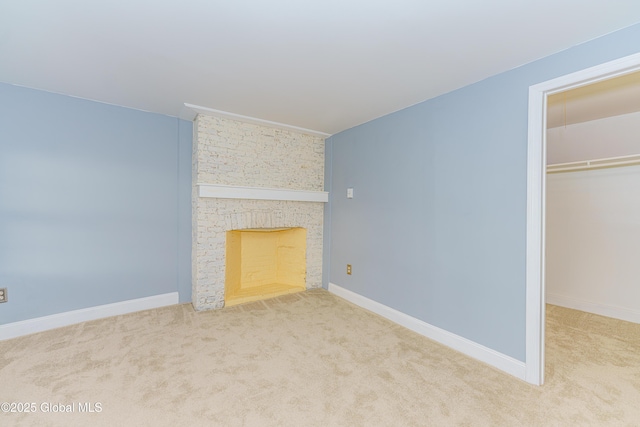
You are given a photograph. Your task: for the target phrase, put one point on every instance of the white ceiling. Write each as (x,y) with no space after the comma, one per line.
(323,65)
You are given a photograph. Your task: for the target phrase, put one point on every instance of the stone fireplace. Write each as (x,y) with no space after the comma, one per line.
(264,263)
(252,183)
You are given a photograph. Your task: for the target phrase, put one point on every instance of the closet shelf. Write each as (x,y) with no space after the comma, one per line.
(609,162)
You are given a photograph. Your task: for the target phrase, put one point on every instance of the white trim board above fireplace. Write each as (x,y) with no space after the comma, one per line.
(260,193)
(190,111)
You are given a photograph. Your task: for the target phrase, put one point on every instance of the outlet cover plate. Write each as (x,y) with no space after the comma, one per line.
(3,295)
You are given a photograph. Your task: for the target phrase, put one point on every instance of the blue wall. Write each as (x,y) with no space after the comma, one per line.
(326,238)
(436,228)
(94,204)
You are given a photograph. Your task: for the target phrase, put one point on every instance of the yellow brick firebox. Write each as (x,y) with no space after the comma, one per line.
(264,263)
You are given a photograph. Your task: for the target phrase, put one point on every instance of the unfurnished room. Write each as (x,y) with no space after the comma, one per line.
(305,213)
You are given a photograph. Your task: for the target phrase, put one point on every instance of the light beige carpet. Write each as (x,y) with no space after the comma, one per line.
(310,359)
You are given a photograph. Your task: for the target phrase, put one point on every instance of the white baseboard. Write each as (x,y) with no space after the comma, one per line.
(491,357)
(40,324)
(622,313)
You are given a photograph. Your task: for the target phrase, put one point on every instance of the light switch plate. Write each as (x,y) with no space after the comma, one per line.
(349,193)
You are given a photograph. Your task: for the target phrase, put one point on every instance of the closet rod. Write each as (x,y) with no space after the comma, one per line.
(608,162)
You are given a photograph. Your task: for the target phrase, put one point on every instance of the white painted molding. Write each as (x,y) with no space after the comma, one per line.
(534,268)
(622,313)
(536,181)
(189,112)
(259,193)
(472,349)
(40,324)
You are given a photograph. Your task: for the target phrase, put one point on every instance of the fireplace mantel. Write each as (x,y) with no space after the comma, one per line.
(260,193)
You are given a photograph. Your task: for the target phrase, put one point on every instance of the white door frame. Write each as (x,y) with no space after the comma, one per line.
(536,193)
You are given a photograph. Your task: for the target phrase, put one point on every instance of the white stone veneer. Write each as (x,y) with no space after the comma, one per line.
(230,152)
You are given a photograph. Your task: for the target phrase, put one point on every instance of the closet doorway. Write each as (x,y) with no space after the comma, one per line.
(536,194)
(592,240)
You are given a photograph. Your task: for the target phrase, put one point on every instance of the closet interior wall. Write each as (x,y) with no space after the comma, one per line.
(593,217)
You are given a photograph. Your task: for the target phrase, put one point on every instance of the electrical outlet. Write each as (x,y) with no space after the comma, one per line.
(349,269)
(3,295)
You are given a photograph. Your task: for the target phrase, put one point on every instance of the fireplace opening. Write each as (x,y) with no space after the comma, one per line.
(264,263)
